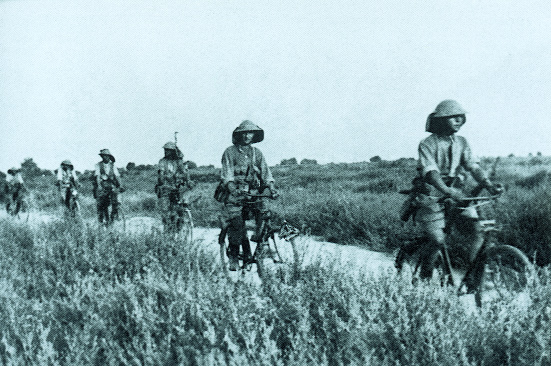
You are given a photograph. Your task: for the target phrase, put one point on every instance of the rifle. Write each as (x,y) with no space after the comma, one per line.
(178,151)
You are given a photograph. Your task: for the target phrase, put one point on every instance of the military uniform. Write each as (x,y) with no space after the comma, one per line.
(15,189)
(244,168)
(107,184)
(66,181)
(444,159)
(172,185)
(450,156)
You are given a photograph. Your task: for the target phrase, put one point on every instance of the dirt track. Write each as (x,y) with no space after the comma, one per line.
(311,250)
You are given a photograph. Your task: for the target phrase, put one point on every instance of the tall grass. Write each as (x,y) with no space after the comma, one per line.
(78,296)
(346,203)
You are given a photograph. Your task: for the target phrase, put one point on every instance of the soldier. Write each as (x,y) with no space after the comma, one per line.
(67,183)
(107,185)
(173,182)
(244,170)
(15,190)
(444,158)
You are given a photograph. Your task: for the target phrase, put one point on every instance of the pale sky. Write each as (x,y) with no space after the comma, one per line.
(337,81)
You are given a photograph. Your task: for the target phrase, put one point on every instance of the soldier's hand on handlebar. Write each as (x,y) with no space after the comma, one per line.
(495,189)
(235,197)
(273,191)
(455,194)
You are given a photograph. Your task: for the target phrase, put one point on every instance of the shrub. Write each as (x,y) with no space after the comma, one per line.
(291,161)
(75,296)
(308,162)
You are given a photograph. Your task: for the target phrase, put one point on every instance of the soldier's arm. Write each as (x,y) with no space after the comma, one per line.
(266,173)
(433,178)
(472,165)
(117,175)
(226,173)
(98,175)
(75,179)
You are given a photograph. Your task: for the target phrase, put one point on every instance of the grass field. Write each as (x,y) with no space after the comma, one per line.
(79,296)
(76,295)
(354,204)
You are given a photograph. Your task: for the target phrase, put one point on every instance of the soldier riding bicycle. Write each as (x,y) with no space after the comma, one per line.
(444,158)
(67,184)
(244,172)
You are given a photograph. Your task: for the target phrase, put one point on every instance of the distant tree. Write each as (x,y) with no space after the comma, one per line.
(144,167)
(30,169)
(539,153)
(130,166)
(308,162)
(375,159)
(291,161)
(191,164)
(511,155)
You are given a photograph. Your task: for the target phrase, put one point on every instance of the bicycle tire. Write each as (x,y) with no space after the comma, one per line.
(439,274)
(504,272)
(186,227)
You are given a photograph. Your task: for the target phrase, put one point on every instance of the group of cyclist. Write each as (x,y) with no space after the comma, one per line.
(444,159)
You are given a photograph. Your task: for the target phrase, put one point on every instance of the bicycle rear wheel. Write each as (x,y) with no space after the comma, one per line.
(504,273)
(440,273)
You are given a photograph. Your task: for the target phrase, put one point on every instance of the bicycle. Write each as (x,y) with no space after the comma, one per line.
(71,204)
(18,203)
(179,220)
(498,271)
(266,236)
(110,196)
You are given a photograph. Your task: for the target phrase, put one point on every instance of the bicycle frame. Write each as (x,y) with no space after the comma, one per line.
(264,235)
(471,279)
(487,226)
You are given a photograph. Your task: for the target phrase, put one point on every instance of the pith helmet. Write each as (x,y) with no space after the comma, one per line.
(170,146)
(445,108)
(67,163)
(108,153)
(13,170)
(248,126)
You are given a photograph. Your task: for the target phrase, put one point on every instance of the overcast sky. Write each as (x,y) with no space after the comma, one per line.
(337,81)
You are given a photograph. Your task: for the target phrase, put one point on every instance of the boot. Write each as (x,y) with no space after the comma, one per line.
(234,264)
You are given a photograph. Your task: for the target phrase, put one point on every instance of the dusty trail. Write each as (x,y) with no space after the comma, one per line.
(310,249)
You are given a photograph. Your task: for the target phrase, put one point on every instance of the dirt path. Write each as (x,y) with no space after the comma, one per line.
(310,249)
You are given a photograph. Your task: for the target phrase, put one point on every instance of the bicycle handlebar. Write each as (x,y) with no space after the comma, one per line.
(259,195)
(464,199)
(469,199)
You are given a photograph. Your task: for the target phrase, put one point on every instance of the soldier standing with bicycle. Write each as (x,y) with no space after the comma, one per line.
(67,183)
(443,158)
(244,170)
(15,190)
(107,185)
(173,181)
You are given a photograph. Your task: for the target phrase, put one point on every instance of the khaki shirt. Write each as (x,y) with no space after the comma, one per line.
(446,155)
(66,176)
(14,181)
(238,160)
(172,171)
(109,173)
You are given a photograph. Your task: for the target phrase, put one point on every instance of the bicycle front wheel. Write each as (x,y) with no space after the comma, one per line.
(504,273)
(186,227)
